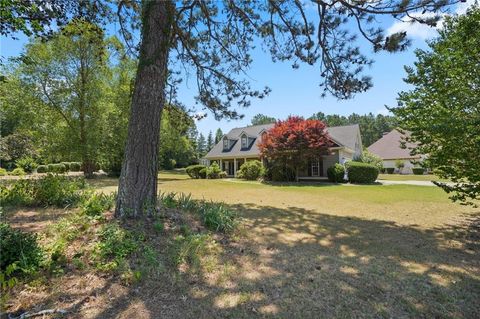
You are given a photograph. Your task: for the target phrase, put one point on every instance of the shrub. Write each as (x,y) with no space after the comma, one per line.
(20,248)
(18,172)
(336,173)
(279,173)
(399,164)
(370,158)
(42,169)
(3,171)
(251,170)
(203,173)
(67,165)
(213,171)
(418,170)
(59,191)
(50,190)
(76,166)
(223,175)
(194,171)
(390,170)
(18,193)
(27,163)
(362,173)
(57,168)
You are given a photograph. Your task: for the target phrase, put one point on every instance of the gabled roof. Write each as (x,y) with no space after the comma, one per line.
(389,146)
(343,136)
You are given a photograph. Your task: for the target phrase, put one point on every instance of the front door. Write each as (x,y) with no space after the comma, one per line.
(316,167)
(230,168)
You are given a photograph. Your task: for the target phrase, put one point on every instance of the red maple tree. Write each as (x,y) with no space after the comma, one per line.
(294,142)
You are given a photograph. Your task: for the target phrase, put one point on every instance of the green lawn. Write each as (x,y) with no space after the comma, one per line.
(336,251)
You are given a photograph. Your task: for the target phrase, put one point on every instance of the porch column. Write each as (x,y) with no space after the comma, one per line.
(235,167)
(221,165)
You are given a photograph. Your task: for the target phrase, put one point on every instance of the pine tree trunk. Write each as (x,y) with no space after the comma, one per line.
(137,189)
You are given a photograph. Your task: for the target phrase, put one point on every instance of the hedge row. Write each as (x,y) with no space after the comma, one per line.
(362,173)
(60,167)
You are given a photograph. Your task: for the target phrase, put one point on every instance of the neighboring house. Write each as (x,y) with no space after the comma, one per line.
(389,149)
(240,145)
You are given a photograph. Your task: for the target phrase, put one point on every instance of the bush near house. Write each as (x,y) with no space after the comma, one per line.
(370,158)
(213,171)
(3,171)
(390,170)
(335,173)
(362,173)
(418,170)
(194,171)
(251,170)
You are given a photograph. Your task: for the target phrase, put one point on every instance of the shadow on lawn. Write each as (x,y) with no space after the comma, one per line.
(296,263)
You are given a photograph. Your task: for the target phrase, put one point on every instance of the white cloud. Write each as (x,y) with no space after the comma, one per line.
(422,31)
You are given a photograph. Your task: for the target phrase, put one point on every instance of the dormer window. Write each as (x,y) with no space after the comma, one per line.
(225,143)
(244,141)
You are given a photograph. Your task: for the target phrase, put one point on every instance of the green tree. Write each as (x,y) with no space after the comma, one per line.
(69,73)
(371,127)
(262,119)
(176,148)
(201,145)
(218,135)
(209,141)
(213,40)
(442,111)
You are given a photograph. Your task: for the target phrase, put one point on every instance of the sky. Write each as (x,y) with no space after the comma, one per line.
(297,91)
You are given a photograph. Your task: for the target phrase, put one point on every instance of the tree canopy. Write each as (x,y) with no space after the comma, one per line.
(262,119)
(442,111)
(372,126)
(294,142)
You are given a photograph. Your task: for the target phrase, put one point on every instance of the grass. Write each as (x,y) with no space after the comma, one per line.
(304,249)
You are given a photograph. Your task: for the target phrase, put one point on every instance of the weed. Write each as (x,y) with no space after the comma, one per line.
(159,226)
(191,249)
(168,200)
(114,246)
(217,217)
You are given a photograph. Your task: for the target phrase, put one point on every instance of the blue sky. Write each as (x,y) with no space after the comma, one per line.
(297,91)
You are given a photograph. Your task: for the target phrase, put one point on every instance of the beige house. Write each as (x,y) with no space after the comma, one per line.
(391,148)
(240,145)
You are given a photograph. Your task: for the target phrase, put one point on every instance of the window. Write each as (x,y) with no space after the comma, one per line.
(225,143)
(244,141)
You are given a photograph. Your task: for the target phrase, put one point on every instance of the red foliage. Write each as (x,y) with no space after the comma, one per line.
(295,140)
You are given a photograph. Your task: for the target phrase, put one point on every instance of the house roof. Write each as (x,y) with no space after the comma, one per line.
(343,136)
(389,146)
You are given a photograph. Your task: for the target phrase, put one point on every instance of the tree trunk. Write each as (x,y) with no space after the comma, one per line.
(137,190)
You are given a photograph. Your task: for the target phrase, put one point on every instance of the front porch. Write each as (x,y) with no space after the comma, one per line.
(232,165)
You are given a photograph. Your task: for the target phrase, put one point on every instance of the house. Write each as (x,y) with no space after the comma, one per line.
(240,145)
(392,148)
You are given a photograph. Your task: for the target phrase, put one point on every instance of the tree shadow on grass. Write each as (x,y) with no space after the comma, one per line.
(297,263)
